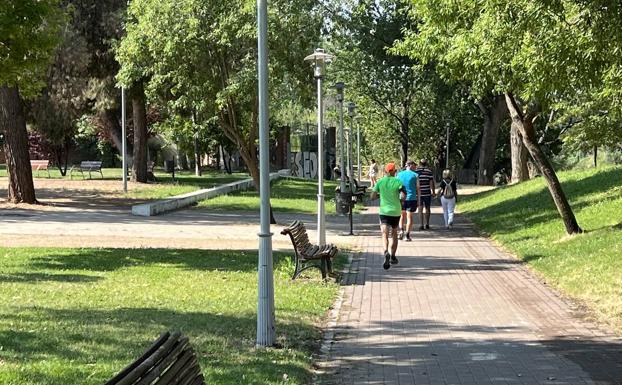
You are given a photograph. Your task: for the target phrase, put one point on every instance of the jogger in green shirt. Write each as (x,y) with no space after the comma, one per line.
(391,192)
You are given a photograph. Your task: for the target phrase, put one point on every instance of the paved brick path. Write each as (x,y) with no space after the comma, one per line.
(456,310)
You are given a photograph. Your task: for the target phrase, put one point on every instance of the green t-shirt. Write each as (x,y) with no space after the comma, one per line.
(389,189)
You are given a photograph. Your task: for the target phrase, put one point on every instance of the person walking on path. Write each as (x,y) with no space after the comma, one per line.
(426,193)
(410,181)
(373,172)
(392,193)
(448,192)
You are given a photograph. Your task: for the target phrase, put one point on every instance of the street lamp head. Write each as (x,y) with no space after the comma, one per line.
(351,108)
(319,59)
(339,86)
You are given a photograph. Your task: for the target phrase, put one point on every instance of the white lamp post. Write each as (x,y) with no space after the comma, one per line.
(123,141)
(319,59)
(265,304)
(351,112)
(342,159)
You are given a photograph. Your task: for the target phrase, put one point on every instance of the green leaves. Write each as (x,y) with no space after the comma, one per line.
(29,33)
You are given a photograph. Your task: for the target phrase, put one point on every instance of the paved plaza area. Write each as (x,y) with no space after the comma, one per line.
(455,310)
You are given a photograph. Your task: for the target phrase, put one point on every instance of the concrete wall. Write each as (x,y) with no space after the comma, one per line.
(185,200)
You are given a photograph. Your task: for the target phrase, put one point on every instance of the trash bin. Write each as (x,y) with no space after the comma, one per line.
(169,166)
(343,201)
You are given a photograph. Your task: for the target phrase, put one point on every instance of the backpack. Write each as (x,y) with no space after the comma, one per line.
(449,191)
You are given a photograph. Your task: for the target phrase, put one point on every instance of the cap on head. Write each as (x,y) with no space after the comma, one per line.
(390,167)
(423,162)
(446,174)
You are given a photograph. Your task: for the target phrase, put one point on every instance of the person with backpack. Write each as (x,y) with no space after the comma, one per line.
(448,192)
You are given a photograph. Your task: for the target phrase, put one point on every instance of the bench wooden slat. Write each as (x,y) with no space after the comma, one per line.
(305,251)
(165,361)
(169,360)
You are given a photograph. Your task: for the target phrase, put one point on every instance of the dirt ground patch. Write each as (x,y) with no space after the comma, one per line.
(62,194)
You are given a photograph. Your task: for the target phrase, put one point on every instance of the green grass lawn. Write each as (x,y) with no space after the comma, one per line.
(79,316)
(523,218)
(287,195)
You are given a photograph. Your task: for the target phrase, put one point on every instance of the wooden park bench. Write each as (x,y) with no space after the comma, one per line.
(38,165)
(88,166)
(170,360)
(306,254)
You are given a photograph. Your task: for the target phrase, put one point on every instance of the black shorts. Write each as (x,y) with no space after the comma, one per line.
(409,206)
(389,220)
(426,202)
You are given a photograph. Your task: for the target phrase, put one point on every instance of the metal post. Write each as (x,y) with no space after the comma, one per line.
(321,227)
(350,156)
(342,161)
(123,141)
(447,145)
(265,306)
(358,149)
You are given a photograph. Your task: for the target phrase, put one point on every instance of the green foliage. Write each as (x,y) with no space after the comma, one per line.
(79,316)
(29,33)
(523,218)
(561,55)
(394,91)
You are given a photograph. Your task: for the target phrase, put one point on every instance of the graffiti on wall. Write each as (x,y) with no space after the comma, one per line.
(304,164)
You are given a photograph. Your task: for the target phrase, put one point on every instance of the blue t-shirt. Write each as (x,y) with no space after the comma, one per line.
(409,180)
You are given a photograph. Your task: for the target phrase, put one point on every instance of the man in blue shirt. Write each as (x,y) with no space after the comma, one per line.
(410,181)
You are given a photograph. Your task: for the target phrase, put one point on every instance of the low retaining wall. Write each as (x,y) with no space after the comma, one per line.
(179,201)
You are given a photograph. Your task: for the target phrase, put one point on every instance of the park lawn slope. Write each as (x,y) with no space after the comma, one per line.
(79,316)
(588,267)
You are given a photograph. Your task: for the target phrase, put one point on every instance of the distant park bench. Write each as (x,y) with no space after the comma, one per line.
(170,360)
(87,166)
(305,253)
(38,165)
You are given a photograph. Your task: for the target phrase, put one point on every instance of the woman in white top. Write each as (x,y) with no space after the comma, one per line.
(448,193)
(373,172)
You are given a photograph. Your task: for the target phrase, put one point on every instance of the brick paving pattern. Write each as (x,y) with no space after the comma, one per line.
(456,310)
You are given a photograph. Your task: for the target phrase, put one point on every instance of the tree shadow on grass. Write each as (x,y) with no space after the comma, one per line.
(191,259)
(102,342)
(44,277)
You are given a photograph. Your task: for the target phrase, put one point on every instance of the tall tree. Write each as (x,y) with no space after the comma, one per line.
(29,33)
(201,56)
(364,31)
(527,50)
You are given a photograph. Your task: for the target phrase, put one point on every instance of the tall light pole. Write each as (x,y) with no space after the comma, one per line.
(265,303)
(351,112)
(358,148)
(123,140)
(447,148)
(342,162)
(124,134)
(319,59)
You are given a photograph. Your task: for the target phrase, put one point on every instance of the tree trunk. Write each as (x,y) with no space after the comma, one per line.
(13,123)
(112,127)
(525,126)
(404,137)
(519,155)
(595,156)
(493,116)
(139,118)
(197,156)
